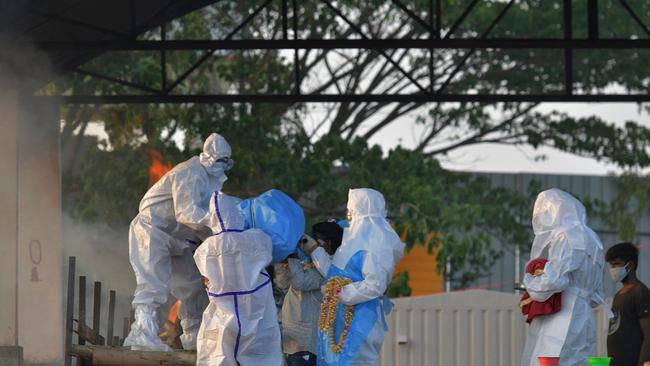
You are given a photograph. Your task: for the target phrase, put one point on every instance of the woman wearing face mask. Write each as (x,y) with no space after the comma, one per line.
(628,339)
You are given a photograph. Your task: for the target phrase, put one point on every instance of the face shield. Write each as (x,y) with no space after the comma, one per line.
(217,155)
(227,162)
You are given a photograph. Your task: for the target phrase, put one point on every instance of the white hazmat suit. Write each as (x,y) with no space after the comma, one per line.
(162,238)
(240,325)
(369,232)
(574,268)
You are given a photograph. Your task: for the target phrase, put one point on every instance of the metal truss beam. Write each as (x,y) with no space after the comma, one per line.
(396,43)
(356,98)
(433,41)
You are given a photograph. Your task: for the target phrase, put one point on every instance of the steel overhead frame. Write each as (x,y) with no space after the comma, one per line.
(435,40)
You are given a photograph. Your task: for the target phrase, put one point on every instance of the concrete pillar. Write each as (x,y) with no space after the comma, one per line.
(30,229)
(8,217)
(40,262)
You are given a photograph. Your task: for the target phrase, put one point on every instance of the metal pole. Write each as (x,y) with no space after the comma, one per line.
(296,59)
(438,18)
(163,61)
(517,266)
(568,52)
(134,22)
(448,275)
(592,19)
(432,35)
(285,20)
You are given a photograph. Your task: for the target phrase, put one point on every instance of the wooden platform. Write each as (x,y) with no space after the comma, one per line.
(122,356)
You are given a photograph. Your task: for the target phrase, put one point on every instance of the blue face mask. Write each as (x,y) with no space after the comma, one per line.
(618,274)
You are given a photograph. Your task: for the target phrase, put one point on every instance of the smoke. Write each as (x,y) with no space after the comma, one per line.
(37,236)
(30,257)
(31,215)
(102,254)
(23,68)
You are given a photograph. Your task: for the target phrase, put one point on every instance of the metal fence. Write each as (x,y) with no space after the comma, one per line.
(464,328)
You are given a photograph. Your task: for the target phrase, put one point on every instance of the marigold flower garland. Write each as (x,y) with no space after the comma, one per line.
(328,312)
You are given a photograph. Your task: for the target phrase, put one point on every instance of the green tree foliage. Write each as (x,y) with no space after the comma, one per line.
(317,153)
(626,209)
(400,285)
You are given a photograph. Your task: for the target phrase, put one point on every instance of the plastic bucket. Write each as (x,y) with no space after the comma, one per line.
(548,361)
(598,361)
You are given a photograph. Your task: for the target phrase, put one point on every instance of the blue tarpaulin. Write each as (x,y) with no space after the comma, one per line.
(279,216)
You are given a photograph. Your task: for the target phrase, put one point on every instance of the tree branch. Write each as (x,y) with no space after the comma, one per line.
(477,138)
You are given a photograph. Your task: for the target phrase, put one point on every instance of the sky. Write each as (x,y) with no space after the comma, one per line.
(509,159)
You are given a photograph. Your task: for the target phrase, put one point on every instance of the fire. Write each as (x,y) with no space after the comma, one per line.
(158,167)
(171,330)
(173,312)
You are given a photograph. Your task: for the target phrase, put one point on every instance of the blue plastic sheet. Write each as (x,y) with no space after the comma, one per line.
(279,216)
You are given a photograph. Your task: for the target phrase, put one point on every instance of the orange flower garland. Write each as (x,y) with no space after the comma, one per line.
(328,312)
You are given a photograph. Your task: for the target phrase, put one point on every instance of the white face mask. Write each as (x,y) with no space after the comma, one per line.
(618,273)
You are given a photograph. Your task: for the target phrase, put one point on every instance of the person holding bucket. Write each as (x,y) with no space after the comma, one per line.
(575,269)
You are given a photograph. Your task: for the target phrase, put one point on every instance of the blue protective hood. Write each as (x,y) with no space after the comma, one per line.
(277,215)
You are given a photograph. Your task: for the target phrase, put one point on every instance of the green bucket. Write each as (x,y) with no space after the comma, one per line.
(598,361)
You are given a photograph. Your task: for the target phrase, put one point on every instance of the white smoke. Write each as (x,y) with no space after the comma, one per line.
(102,254)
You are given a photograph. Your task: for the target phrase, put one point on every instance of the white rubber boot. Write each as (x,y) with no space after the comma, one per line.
(190,333)
(144,331)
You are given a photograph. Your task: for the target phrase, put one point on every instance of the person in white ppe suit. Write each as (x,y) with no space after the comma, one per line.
(240,324)
(574,268)
(369,251)
(162,237)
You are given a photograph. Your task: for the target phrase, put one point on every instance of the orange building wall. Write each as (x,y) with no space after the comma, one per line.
(421,267)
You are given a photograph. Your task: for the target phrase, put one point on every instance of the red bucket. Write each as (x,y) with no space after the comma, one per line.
(548,361)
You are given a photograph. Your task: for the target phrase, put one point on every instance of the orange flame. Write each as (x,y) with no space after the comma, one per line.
(172,317)
(158,167)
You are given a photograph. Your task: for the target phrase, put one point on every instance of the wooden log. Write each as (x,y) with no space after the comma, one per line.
(69,310)
(81,351)
(82,307)
(97,309)
(125,329)
(81,323)
(90,335)
(112,356)
(111,318)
